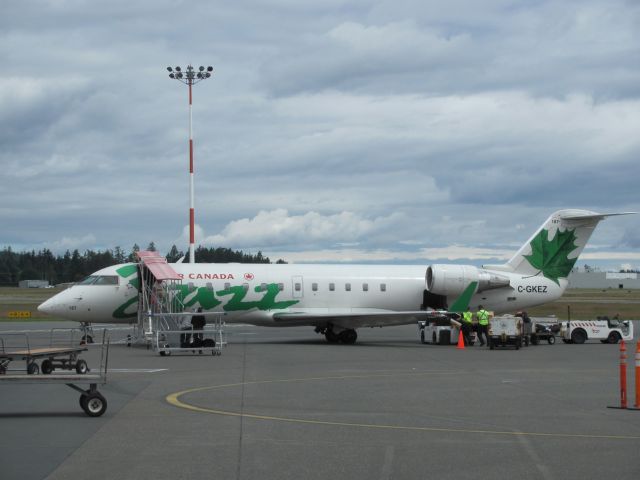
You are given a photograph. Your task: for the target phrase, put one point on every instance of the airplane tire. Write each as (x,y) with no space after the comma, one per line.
(331,336)
(33,369)
(348,337)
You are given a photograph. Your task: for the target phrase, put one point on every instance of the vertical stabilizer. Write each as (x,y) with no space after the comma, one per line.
(554,248)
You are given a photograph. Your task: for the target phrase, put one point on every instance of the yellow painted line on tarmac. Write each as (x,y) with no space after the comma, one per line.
(174,399)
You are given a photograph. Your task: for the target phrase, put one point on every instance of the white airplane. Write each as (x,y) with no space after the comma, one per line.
(338,299)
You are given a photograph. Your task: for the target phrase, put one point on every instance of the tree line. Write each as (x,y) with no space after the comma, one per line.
(74,266)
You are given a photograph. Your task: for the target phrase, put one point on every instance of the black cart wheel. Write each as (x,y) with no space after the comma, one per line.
(614,337)
(33,369)
(81,367)
(578,336)
(47,366)
(551,339)
(93,404)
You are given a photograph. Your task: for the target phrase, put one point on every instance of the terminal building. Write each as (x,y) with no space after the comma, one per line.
(604,280)
(33,284)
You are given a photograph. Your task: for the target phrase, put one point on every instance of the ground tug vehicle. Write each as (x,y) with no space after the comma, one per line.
(603,329)
(442,330)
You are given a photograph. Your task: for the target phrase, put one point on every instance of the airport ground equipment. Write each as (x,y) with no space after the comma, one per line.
(91,400)
(61,351)
(505,331)
(603,329)
(211,340)
(442,330)
(540,329)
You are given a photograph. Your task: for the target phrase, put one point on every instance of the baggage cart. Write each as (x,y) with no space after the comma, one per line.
(505,331)
(91,400)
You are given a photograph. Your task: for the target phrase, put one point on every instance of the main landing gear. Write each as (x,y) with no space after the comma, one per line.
(346,336)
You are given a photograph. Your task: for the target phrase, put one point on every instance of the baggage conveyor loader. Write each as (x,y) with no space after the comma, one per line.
(91,400)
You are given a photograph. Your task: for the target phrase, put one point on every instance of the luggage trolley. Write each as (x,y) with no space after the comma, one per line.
(91,400)
(187,340)
(57,353)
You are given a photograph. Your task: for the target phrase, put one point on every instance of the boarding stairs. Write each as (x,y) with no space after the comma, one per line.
(159,306)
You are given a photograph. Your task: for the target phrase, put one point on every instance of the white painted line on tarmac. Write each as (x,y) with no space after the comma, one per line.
(137,370)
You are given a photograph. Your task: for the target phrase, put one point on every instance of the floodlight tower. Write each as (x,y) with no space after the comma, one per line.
(190,78)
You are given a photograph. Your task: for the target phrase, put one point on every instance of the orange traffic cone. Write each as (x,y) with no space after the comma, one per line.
(460,340)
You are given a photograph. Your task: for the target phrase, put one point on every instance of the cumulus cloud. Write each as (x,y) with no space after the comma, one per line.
(380,127)
(278,227)
(72,243)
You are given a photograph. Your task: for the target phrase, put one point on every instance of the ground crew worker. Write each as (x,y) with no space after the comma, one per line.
(483,324)
(467,322)
(198,322)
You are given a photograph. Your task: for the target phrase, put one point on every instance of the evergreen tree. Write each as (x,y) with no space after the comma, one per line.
(132,256)
(174,254)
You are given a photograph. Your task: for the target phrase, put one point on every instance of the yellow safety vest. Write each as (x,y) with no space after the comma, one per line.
(483,317)
(467,316)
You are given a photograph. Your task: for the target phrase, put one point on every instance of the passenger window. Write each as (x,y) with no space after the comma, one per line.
(347,287)
(365,287)
(227,285)
(245,286)
(314,287)
(298,287)
(383,287)
(332,287)
(263,287)
(191,286)
(210,286)
(280,287)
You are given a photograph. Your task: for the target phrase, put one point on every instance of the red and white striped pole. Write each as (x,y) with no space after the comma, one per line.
(623,375)
(192,235)
(190,78)
(637,404)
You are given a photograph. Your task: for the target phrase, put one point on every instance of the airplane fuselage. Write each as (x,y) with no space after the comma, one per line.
(251,293)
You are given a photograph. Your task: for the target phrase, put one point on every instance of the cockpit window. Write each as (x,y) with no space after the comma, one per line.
(100,280)
(88,281)
(107,280)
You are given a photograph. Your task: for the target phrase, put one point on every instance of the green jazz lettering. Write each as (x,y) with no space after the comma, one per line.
(206,298)
(269,302)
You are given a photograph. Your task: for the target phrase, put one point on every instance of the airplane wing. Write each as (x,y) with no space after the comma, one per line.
(356,317)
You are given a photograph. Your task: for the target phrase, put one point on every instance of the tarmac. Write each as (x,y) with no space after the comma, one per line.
(281,403)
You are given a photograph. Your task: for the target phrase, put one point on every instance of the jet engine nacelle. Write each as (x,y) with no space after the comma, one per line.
(454,279)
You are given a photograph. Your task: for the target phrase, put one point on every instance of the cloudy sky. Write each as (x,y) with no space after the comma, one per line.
(358,131)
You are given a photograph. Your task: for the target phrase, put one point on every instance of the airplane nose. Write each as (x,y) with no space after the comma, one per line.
(51,306)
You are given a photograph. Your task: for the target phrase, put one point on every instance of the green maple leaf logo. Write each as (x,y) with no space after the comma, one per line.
(551,257)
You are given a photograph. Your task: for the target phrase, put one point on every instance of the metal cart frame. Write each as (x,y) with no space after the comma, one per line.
(91,400)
